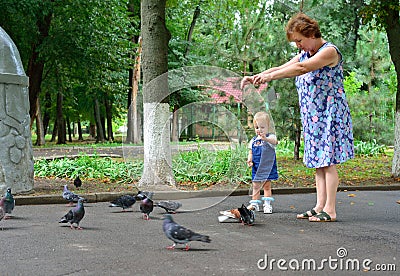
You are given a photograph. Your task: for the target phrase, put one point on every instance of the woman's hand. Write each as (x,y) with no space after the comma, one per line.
(245,81)
(261,78)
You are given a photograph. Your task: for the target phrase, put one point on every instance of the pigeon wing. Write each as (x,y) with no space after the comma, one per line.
(146,206)
(9,202)
(68,217)
(9,206)
(78,215)
(178,233)
(181,234)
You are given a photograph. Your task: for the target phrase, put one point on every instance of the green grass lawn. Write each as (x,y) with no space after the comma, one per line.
(205,169)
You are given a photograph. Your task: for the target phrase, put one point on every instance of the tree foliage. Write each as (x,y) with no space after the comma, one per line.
(90,48)
(85,52)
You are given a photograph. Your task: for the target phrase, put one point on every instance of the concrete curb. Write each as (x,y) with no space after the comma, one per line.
(176,194)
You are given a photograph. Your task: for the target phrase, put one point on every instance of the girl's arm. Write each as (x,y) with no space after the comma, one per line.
(250,159)
(272,139)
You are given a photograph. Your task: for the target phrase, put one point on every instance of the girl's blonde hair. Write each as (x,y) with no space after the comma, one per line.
(264,117)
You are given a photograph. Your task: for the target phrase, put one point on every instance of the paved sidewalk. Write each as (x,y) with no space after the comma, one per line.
(121,243)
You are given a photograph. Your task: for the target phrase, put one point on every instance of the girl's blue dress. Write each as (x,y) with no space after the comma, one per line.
(264,160)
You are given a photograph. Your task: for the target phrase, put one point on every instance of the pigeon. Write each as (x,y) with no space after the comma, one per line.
(9,203)
(124,201)
(75,215)
(169,206)
(70,196)
(146,205)
(179,234)
(77,182)
(246,216)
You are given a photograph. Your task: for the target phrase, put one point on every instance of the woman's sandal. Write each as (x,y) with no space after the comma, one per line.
(322,217)
(306,215)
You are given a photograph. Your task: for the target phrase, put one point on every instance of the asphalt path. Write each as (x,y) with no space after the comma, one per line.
(365,238)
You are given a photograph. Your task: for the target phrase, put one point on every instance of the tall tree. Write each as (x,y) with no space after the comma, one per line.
(386,13)
(157,152)
(133,131)
(133,134)
(87,39)
(36,64)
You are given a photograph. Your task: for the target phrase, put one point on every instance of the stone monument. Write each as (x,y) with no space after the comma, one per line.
(16,158)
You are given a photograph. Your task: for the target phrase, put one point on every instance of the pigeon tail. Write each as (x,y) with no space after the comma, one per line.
(201,238)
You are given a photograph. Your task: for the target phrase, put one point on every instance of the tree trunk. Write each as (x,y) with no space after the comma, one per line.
(109,114)
(92,130)
(35,66)
(54,133)
(99,127)
(40,139)
(68,123)
(196,14)
(297,139)
(80,136)
(103,126)
(133,131)
(46,116)
(157,152)
(60,120)
(61,133)
(392,21)
(135,89)
(175,134)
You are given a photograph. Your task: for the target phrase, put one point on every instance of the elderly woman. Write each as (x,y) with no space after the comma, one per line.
(325,114)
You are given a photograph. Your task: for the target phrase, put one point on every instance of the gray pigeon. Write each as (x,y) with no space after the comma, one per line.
(169,206)
(69,196)
(124,201)
(75,215)
(180,234)
(9,203)
(147,205)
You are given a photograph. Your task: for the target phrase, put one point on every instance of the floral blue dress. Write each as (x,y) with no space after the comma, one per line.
(325,115)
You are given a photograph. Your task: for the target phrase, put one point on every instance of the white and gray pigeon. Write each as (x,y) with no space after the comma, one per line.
(180,234)
(169,206)
(70,196)
(75,215)
(124,201)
